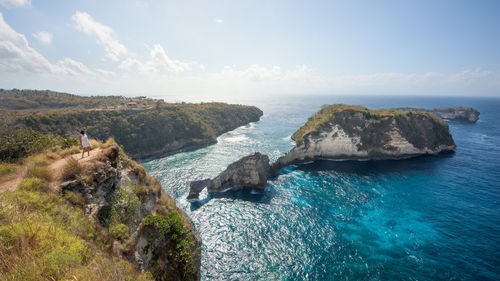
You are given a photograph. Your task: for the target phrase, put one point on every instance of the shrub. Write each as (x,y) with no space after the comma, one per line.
(42,237)
(70,151)
(39,172)
(119,231)
(125,205)
(170,227)
(52,156)
(95,143)
(74,198)
(140,190)
(19,143)
(71,170)
(39,160)
(6,169)
(34,184)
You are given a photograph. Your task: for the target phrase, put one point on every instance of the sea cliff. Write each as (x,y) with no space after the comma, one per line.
(342,132)
(353,132)
(101,217)
(150,128)
(158,236)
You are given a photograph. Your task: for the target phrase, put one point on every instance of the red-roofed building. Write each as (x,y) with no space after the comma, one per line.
(131,104)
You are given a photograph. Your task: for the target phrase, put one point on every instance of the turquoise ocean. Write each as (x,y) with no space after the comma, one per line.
(426,218)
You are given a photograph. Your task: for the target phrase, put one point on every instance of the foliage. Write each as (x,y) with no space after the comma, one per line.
(34,99)
(119,231)
(34,184)
(147,130)
(6,169)
(43,237)
(38,160)
(348,120)
(170,228)
(19,143)
(125,205)
(74,198)
(424,129)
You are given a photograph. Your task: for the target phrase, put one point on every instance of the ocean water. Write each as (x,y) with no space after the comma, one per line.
(427,218)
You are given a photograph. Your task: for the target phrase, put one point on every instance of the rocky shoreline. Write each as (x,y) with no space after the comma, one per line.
(343,132)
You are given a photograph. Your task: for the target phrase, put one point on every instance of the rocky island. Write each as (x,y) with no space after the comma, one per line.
(343,132)
(455,114)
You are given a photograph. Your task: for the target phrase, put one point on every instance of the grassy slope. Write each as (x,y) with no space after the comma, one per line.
(45,235)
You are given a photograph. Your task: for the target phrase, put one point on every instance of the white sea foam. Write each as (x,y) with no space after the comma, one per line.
(238,138)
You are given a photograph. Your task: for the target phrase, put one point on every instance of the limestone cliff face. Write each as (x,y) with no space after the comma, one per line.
(250,171)
(346,132)
(118,192)
(459,114)
(342,132)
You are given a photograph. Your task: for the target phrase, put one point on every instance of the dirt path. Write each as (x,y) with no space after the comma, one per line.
(57,166)
(12,181)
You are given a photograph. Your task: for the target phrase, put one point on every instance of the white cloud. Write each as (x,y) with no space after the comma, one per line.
(158,60)
(105,35)
(131,64)
(44,37)
(219,21)
(74,67)
(158,55)
(15,3)
(17,55)
(105,72)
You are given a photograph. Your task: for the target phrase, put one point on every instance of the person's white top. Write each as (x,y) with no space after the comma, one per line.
(85,141)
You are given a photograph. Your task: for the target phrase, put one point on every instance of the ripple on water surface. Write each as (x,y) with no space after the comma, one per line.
(429,218)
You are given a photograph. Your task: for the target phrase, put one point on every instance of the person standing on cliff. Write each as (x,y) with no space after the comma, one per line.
(84,143)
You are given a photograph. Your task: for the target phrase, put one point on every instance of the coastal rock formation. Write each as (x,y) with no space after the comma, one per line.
(342,132)
(354,132)
(250,171)
(455,114)
(459,114)
(159,236)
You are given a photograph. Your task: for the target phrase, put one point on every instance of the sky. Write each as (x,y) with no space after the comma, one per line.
(240,48)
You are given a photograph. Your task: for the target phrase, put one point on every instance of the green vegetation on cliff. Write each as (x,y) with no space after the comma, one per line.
(147,131)
(47,233)
(16,99)
(422,129)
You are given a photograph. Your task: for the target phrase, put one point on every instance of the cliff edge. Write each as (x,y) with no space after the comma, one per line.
(343,132)
(147,228)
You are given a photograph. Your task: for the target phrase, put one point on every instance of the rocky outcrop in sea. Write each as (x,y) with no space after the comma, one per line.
(343,132)
(250,171)
(455,114)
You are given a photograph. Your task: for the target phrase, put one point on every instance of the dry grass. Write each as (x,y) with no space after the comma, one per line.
(69,151)
(52,156)
(38,160)
(40,172)
(44,237)
(71,169)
